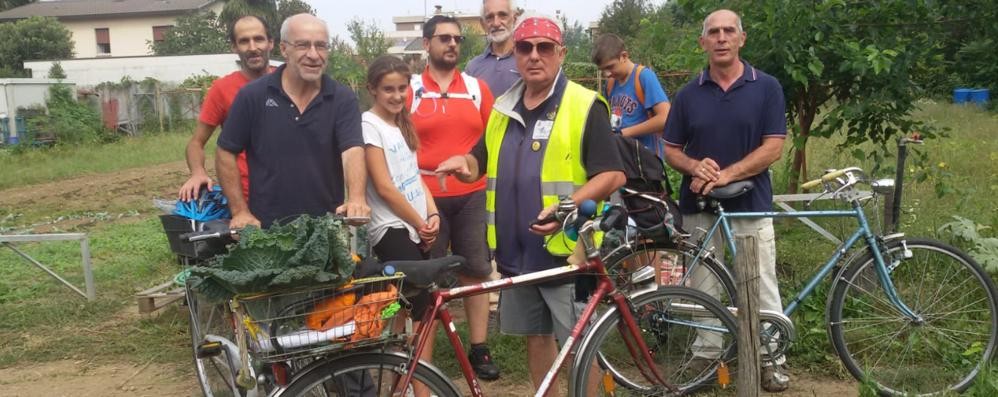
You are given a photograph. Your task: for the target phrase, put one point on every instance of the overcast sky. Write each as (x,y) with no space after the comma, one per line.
(338,13)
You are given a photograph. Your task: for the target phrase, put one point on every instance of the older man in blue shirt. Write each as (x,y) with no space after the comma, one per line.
(496,65)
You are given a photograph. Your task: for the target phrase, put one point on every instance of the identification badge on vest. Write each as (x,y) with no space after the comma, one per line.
(542,129)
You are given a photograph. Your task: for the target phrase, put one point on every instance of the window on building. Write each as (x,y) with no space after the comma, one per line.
(159,32)
(103,41)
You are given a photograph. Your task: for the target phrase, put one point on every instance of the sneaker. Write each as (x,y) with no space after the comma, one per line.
(481,362)
(774,378)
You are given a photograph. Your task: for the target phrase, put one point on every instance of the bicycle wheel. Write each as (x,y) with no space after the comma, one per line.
(636,265)
(215,367)
(688,334)
(367,375)
(941,353)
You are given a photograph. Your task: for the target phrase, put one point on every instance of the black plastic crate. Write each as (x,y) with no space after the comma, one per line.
(175,225)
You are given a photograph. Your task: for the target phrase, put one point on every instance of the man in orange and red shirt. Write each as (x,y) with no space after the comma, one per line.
(250,39)
(450,110)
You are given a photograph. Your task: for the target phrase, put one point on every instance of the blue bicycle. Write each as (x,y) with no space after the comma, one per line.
(912,316)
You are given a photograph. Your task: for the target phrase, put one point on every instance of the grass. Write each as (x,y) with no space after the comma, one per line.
(43,321)
(62,162)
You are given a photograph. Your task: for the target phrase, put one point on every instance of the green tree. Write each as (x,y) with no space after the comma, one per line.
(370,41)
(56,71)
(266,9)
(343,66)
(577,40)
(623,17)
(852,61)
(197,33)
(473,45)
(966,37)
(29,39)
(287,8)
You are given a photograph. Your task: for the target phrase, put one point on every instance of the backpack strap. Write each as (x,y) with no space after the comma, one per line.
(419,91)
(638,89)
(474,89)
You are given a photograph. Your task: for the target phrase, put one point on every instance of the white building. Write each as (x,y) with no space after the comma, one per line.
(168,69)
(106,28)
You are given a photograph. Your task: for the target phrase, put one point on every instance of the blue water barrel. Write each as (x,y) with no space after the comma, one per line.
(13,140)
(961,95)
(980,97)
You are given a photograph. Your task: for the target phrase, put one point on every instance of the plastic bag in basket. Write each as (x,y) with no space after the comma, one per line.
(367,314)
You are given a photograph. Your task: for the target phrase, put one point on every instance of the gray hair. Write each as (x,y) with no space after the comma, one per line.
(286,25)
(738,21)
(512,8)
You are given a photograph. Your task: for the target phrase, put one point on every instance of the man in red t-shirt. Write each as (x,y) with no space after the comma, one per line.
(250,39)
(450,117)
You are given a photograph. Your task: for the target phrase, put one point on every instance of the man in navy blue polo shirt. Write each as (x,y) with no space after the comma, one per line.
(302,136)
(727,125)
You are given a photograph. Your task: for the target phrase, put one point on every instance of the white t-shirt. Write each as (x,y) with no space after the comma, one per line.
(404,170)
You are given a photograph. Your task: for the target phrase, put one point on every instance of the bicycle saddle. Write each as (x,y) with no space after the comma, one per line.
(419,274)
(731,191)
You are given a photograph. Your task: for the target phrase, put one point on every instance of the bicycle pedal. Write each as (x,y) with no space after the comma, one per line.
(208,349)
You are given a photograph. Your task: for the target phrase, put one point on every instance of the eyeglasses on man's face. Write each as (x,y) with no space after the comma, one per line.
(305,45)
(447,38)
(544,48)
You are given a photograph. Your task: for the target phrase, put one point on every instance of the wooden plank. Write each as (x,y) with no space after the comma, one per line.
(158,297)
(747,274)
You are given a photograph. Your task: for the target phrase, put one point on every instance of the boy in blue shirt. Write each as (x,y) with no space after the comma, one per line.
(638,110)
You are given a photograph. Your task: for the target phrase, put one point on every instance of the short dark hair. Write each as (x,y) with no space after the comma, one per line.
(606,47)
(430,27)
(232,27)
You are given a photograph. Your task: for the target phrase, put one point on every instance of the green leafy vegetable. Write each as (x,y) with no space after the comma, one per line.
(306,251)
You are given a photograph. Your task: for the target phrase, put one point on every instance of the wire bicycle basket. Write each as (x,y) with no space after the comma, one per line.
(320,320)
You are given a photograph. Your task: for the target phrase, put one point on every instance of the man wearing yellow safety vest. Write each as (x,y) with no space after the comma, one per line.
(546,137)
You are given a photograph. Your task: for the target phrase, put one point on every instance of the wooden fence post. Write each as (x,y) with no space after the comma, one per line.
(747,274)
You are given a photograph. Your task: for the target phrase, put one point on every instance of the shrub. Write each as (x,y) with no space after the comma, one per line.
(69,121)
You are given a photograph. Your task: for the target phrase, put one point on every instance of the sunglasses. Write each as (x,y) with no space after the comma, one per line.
(446,38)
(544,48)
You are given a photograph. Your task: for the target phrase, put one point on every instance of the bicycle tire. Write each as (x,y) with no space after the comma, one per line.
(879,345)
(325,379)
(642,253)
(214,372)
(661,314)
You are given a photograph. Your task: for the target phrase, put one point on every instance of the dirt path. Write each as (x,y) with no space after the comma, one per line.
(90,200)
(82,379)
(84,201)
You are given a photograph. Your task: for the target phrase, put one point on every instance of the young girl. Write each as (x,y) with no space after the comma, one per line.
(404,220)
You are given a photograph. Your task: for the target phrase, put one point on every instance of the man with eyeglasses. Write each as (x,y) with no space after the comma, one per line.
(496,65)
(301,133)
(546,140)
(450,110)
(251,41)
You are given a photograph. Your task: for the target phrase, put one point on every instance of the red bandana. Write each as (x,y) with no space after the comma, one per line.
(537,27)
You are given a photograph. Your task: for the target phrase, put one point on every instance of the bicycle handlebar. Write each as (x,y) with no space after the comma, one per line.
(830,176)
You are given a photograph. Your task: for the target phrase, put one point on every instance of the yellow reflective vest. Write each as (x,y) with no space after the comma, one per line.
(562,172)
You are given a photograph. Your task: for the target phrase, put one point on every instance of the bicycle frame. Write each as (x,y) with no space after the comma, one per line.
(604,290)
(862,231)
